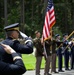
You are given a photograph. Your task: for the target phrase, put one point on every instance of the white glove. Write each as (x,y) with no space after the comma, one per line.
(27,39)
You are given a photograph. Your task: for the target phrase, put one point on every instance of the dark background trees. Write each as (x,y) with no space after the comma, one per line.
(30,14)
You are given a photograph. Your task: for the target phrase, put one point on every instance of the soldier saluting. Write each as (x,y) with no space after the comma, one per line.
(12,32)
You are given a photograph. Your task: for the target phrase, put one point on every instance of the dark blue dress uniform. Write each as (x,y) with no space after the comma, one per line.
(15,44)
(66,52)
(72,54)
(59,53)
(11,69)
(20,48)
(66,55)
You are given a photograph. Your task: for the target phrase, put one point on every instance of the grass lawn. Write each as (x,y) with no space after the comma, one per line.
(29,61)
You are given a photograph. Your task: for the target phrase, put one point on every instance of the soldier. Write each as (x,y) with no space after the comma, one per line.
(66,51)
(48,58)
(38,52)
(11,69)
(59,52)
(54,54)
(72,53)
(12,35)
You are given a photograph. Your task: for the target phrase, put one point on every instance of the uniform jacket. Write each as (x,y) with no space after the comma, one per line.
(19,48)
(17,68)
(39,48)
(53,46)
(47,46)
(59,46)
(65,46)
(72,49)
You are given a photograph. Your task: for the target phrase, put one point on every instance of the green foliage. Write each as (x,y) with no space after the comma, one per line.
(57,1)
(13,17)
(35,13)
(59,16)
(2,35)
(13,12)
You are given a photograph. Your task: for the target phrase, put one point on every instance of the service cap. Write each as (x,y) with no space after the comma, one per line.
(65,34)
(36,31)
(12,27)
(57,35)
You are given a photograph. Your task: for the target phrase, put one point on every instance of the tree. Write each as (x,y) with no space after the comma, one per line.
(31,13)
(5,10)
(22,15)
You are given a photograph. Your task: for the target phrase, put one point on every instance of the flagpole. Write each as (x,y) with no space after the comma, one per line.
(51,38)
(49,22)
(66,39)
(45,50)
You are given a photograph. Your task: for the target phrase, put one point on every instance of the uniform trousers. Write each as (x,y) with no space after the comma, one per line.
(66,59)
(38,64)
(72,57)
(47,65)
(60,56)
(53,62)
(72,61)
(60,62)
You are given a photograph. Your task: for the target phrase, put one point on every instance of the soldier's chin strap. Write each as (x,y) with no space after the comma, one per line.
(25,37)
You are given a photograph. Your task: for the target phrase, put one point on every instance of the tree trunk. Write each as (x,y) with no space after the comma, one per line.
(66,16)
(5,12)
(72,13)
(22,16)
(32,11)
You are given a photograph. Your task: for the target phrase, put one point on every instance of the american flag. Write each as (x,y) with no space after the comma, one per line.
(49,20)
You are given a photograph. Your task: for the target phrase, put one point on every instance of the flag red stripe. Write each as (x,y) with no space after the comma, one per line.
(52,23)
(49,20)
